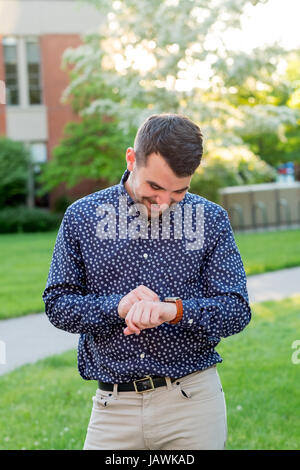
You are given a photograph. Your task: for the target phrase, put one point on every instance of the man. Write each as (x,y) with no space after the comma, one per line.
(150,276)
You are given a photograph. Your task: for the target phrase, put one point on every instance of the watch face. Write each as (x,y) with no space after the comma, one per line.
(171,299)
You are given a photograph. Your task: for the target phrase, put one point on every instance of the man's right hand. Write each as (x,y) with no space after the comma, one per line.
(139,293)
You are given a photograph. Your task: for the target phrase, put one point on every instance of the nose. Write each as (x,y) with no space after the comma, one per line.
(163,200)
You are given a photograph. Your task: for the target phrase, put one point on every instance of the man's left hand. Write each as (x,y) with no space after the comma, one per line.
(148,314)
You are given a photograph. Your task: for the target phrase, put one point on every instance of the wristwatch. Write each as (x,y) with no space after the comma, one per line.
(179,306)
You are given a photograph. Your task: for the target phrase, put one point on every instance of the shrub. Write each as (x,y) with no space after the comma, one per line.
(24,219)
(62,203)
(14,165)
(232,166)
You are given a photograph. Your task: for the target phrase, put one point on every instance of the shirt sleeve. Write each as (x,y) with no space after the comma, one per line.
(68,304)
(223,309)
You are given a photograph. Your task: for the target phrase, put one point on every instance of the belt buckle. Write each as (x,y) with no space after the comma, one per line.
(146,378)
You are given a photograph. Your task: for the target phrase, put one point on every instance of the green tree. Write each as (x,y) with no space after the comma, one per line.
(92,149)
(270,123)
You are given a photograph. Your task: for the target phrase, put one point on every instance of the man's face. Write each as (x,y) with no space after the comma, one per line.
(155,185)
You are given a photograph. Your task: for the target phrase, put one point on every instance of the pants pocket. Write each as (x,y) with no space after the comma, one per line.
(103,399)
(205,385)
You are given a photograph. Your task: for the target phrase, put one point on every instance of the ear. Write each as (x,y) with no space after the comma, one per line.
(130,158)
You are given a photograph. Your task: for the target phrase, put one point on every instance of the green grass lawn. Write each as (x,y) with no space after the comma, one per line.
(269,251)
(47,405)
(25,262)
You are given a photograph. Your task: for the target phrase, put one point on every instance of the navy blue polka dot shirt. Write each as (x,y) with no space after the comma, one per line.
(106,247)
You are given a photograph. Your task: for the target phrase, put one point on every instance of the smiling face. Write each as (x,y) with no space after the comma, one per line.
(155,185)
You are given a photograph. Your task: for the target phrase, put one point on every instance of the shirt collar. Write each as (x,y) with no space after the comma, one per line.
(122,189)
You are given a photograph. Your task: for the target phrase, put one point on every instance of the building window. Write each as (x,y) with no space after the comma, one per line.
(34,71)
(38,151)
(11,71)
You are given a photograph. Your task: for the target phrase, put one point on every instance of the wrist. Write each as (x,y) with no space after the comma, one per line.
(170,311)
(179,309)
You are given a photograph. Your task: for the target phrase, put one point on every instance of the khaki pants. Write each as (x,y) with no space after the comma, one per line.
(187,414)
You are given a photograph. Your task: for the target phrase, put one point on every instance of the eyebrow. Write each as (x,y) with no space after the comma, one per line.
(155,184)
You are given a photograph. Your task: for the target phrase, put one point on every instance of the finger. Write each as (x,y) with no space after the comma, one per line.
(143,295)
(150,293)
(143,290)
(127,331)
(130,299)
(130,331)
(133,298)
(129,320)
(155,318)
(144,316)
(128,302)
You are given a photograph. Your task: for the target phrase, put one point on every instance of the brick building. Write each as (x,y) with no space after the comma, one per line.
(33,37)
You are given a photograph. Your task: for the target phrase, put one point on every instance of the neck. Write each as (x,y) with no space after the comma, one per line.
(127,185)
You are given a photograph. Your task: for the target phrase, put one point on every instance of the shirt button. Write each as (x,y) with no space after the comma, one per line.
(190,321)
(142,355)
(145,255)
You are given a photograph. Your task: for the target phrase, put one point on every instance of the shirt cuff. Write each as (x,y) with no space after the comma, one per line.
(194,317)
(191,314)
(111,309)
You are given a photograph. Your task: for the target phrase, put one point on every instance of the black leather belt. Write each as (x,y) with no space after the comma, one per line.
(142,385)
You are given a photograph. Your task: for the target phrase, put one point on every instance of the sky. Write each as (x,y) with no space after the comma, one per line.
(276,20)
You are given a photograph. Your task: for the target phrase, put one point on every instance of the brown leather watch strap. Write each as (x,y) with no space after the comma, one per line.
(179,312)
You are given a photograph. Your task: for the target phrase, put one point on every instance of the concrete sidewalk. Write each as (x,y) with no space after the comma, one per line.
(275,285)
(32,337)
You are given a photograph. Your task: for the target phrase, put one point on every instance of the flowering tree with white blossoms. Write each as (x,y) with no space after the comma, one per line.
(170,56)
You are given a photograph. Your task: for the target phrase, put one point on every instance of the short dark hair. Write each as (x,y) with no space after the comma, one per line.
(175,137)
